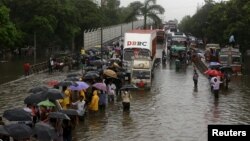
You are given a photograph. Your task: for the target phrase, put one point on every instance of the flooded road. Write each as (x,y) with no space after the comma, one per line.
(171,111)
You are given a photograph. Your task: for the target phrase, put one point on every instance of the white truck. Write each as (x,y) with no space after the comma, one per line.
(139,55)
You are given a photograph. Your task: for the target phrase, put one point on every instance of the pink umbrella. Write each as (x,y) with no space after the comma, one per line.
(100,86)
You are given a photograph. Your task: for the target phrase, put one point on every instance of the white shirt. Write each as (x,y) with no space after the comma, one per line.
(216,85)
(231,39)
(80,107)
(111,89)
(126,97)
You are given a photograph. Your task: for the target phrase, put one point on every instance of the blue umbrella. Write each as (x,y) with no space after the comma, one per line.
(80,86)
(214,64)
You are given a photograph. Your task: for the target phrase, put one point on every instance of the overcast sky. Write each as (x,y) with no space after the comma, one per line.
(174,9)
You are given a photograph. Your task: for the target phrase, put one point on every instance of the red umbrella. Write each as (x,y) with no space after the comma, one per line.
(52,83)
(213,73)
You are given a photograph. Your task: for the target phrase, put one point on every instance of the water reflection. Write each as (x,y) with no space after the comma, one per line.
(13,68)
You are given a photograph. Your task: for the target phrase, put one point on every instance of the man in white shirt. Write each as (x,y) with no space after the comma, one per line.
(216,87)
(80,106)
(111,91)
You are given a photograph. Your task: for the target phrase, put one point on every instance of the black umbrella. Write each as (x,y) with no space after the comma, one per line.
(54,94)
(70,112)
(91,72)
(129,87)
(74,75)
(35,98)
(3,131)
(38,89)
(67,83)
(226,69)
(17,114)
(91,76)
(18,131)
(58,115)
(44,132)
(98,62)
(71,79)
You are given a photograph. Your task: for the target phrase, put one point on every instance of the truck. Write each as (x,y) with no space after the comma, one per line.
(139,50)
(231,57)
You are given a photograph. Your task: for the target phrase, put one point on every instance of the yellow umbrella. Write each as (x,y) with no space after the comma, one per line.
(110,73)
(116,65)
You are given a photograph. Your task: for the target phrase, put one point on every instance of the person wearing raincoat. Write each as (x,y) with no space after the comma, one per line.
(65,102)
(93,106)
(82,93)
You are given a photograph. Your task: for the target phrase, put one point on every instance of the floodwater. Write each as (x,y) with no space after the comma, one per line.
(12,69)
(172,110)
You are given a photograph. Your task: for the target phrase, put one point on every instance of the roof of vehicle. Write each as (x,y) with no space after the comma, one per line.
(141,31)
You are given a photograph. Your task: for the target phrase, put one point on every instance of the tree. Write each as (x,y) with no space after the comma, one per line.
(9,35)
(148,9)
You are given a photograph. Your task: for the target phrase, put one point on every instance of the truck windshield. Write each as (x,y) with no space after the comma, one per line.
(223,59)
(129,53)
(141,74)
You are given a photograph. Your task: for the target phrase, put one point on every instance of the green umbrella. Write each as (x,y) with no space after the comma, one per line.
(46,103)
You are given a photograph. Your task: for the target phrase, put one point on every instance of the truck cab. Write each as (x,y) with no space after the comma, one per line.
(141,74)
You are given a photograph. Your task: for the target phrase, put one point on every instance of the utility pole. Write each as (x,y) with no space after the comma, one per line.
(101,42)
(34,47)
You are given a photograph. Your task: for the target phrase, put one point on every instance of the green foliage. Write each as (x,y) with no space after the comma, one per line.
(8,32)
(217,21)
(147,9)
(58,23)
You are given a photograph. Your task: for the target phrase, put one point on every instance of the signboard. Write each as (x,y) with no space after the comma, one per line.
(139,64)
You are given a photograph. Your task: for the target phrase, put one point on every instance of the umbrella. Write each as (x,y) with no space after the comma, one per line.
(58,115)
(18,131)
(17,114)
(98,62)
(110,73)
(73,75)
(91,76)
(54,94)
(80,86)
(3,130)
(38,89)
(46,103)
(129,87)
(70,112)
(52,83)
(67,83)
(214,65)
(226,69)
(44,131)
(100,86)
(71,79)
(213,73)
(35,98)
(115,59)
(95,72)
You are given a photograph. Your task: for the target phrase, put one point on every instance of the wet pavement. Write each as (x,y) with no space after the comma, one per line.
(172,110)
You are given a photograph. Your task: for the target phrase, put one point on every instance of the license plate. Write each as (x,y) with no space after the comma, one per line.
(126,78)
